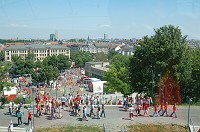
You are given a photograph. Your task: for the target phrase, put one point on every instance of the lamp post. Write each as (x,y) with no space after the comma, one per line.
(56,91)
(33,90)
(152,84)
(189,100)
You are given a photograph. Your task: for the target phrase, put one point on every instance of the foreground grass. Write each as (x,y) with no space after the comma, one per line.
(157,128)
(80,128)
(132,128)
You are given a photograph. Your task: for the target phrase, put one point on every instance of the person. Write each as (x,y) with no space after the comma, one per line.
(161,107)
(52,108)
(138,109)
(155,111)
(29,116)
(103,111)
(18,108)
(3,100)
(24,98)
(146,109)
(84,113)
(39,112)
(131,109)
(48,107)
(10,108)
(91,110)
(165,109)
(174,110)
(10,127)
(98,112)
(13,106)
(63,100)
(19,117)
(38,98)
(60,110)
(44,99)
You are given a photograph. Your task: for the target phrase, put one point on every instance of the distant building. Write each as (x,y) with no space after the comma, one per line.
(127,50)
(193,43)
(52,37)
(95,48)
(105,36)
(96,69)
(40,51)
(56,36)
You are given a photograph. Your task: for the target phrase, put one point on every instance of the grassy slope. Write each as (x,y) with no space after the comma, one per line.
(133,128)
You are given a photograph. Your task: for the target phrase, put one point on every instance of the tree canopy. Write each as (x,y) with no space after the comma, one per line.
(80,57)
(158,58)
(117,76)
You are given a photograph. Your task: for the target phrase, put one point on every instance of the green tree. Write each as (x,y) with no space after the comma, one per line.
(112,53)
(4,72)
(48,73)
(161,54)
(189,70)
(100,57)
(80,57)
(117,76)
(194,82)
(63,62)
(1,55)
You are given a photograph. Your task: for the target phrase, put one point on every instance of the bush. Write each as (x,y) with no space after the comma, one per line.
(19,99)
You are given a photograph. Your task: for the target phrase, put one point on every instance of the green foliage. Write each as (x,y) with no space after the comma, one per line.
(79,128)
(117,76)
(156,55)
(19,99)
(1,55)
(80,57)
(120,60)
(4,41)
(4,69)
(112,53)
(100,57)
(191,82)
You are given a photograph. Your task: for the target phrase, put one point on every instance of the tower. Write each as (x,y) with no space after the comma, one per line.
(105,36)
(52,37)
(56,36)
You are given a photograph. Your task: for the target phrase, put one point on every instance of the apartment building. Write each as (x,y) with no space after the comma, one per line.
(40,51)
(95,48)
(96,69)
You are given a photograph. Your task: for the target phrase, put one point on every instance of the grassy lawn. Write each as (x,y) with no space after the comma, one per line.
(157,128)
(71,129)
(132,128)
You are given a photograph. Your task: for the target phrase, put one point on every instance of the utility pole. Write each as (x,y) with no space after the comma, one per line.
(189,99)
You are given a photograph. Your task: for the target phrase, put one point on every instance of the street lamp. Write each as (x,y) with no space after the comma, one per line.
(33,105)
(152,84)
(56,91)
(189,100)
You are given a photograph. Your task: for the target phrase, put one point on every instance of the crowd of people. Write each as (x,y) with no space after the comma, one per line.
(84,105)
(144,103)
(75,104)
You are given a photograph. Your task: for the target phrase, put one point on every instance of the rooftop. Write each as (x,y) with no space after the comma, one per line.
(35,46)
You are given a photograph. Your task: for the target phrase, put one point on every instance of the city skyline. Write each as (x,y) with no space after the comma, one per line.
(78,18)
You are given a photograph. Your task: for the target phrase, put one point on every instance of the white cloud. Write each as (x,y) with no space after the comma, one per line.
(17,25)
(105,25)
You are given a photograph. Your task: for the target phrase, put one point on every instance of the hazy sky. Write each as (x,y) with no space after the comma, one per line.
(80,18)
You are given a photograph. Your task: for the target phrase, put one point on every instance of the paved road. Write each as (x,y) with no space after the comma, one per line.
(115,118)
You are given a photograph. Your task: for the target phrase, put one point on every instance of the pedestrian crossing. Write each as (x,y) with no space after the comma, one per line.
(15,129)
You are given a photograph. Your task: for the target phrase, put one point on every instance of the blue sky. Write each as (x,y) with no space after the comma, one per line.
(80,18)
